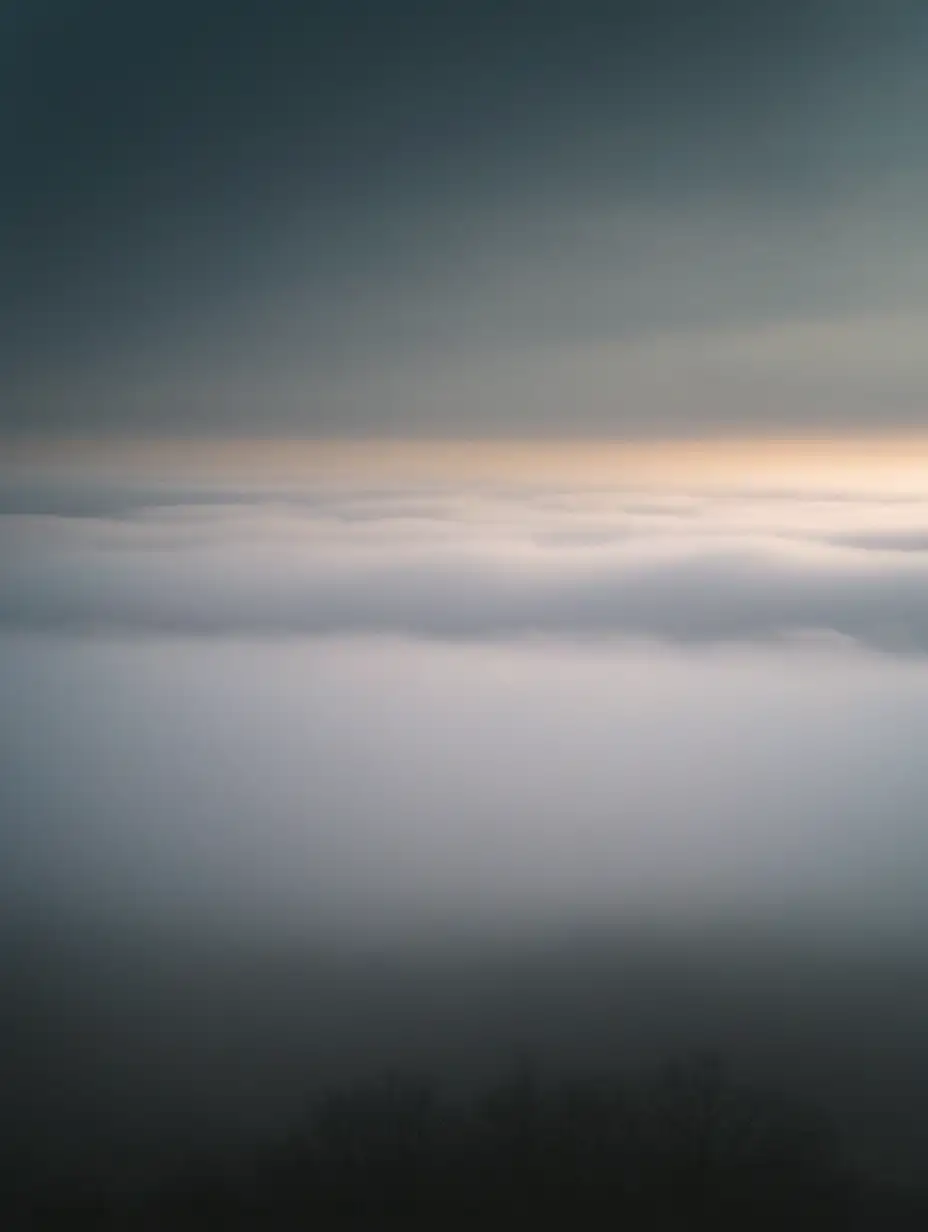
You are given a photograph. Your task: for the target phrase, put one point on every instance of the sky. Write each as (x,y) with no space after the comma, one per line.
(494,219)
(463,552)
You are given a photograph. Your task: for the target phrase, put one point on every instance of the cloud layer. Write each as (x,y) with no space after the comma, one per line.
(695,566)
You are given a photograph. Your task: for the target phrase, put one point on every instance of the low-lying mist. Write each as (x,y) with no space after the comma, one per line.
(240,865)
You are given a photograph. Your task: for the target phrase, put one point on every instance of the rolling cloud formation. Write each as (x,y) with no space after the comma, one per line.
(685,567)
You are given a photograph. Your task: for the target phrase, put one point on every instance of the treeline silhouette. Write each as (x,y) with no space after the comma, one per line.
(684,1147)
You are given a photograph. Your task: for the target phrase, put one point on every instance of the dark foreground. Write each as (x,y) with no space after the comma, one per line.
(687,1147)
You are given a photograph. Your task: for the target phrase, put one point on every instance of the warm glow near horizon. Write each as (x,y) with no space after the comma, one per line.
(888,461)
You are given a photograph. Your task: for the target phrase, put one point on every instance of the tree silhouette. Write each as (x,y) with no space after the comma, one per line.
(685,1147)
(717,1148)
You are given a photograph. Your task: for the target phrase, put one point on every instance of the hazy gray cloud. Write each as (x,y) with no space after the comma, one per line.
(688,567)
(886,540)
(231,869)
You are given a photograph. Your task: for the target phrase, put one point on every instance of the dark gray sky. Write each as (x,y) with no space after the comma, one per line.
(462,219)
